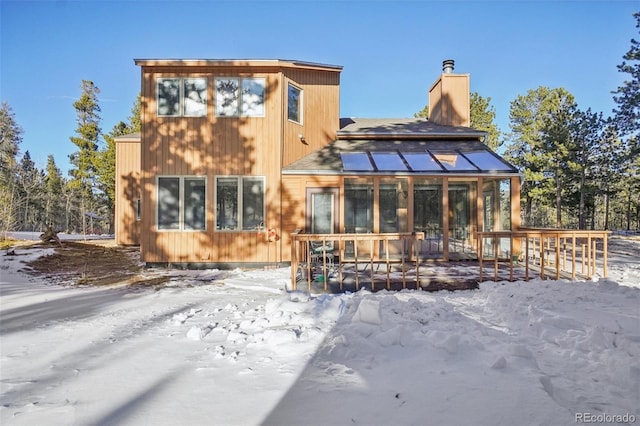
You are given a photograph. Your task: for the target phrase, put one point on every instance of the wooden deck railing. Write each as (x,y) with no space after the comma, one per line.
(333,251)
(557,252)
(320,258)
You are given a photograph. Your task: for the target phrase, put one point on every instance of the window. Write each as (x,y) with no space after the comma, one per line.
(356,161)
(358,206)
(138,209)
(427,207)
(240,97)
(294,104)
(181,203)
(182,96)
(239,203)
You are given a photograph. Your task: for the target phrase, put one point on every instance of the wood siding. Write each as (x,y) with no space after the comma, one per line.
(127,227)
(321,118)
(449,100)
(212,146)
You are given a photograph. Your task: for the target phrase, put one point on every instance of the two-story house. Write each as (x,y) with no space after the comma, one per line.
(236,155)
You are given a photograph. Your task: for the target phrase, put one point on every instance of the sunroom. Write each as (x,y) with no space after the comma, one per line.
(432,186)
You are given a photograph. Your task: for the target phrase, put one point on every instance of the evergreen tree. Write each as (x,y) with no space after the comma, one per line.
(627,96)
(53,196)
(105,161)
(135,119)
(482,116)
(627,118)
(87,139)
(423,113)
(541,146)
(30,184)
(10,139)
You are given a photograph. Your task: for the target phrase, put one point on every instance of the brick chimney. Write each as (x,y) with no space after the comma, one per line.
(449,98)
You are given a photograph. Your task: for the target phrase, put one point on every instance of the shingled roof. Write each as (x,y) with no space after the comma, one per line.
(401,127)
(403,138)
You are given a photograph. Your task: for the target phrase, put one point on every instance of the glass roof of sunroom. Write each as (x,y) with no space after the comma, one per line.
(429,160)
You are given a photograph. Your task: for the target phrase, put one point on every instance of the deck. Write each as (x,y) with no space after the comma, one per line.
(349,262)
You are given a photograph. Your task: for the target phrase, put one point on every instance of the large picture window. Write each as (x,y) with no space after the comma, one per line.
(181,203)
(240,97)
(240,203)
(182,97)
(294,103)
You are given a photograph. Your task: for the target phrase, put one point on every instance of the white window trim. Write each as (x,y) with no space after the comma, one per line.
(181,112)
(239,179)
(240,81)
(181,179)
(300,107)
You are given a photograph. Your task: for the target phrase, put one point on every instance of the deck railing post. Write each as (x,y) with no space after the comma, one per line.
(604,255)
(526,263)
(480,252)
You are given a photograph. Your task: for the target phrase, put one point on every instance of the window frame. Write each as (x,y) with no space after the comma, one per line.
(181,203)
(239,107)
(180,111)
(300,117)
(239,182)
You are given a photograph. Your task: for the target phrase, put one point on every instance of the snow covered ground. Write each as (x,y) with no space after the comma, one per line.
(236,348)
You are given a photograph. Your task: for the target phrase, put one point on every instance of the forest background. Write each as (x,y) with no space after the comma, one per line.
(581,168)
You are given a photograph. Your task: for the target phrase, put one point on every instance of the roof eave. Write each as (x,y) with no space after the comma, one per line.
(415,135)
(279,63)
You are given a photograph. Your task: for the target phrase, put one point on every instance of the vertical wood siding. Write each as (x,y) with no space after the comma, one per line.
(228,146)
(127,228)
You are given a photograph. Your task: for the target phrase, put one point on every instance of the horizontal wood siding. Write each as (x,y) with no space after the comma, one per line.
(127,228)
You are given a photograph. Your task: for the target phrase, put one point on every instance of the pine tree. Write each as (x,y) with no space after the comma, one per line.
(627,118)
(105,160)
(10,139)
(482,114)
(87,139)
(30,184)
(53,196)
(627,96)
(541,146)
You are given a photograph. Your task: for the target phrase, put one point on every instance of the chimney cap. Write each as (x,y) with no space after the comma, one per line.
(447,66)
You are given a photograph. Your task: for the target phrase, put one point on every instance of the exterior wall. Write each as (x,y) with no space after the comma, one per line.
(127,227)
(321,118)
(449,100)
(213,146)
(295,187)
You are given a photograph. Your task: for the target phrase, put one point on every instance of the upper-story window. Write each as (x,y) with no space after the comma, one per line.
(237,97)
(182,97)
(294,103)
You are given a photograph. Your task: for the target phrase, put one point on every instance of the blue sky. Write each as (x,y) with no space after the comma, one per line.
(391,51)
